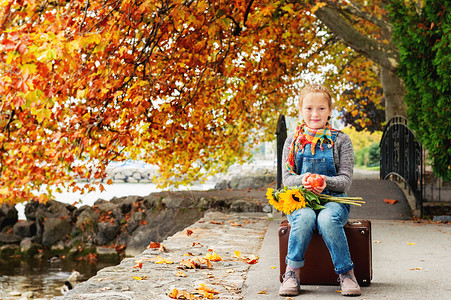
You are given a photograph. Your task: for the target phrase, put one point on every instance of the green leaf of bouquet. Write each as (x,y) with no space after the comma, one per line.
(316,206)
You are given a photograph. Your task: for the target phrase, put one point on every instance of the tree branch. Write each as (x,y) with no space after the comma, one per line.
(380,53)
(356,9)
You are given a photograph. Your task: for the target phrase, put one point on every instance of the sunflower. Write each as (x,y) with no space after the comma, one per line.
(292,200)
(270,194)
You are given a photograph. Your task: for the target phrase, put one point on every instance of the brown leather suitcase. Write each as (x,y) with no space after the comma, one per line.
(318,268)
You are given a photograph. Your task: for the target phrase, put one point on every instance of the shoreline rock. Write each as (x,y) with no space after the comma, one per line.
(124,225)
(219,233)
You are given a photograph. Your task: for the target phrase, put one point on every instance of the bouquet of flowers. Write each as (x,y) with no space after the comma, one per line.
(288,199)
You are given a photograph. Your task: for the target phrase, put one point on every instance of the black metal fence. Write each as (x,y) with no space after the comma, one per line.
(402,158)
(281,133)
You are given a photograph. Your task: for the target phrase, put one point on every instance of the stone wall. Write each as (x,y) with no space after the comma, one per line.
(132,174)
(237,177)
(121,226)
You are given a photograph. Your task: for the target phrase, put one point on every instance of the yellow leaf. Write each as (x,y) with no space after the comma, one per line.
(139,278)
(238,254)
(288,8)
(213,257)
(162,260)
(410,244)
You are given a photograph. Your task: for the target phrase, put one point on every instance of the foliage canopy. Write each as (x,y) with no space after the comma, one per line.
(188,85)
(424,36)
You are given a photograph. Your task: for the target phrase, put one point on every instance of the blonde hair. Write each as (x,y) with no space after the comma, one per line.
(315,88)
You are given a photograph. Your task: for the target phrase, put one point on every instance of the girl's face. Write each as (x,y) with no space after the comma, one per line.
(315,110)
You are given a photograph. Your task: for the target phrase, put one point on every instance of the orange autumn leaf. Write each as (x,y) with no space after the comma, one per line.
(195,263)
(139,265)
(153,245)
(390,201)
(235,223)
(180,274)
(217,223)
(176,294)
(206,291)
(189,232)
(203,287)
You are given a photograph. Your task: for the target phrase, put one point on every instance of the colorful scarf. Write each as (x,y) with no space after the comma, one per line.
(303,136)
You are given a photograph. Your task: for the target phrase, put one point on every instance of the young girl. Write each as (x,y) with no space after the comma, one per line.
(316,148)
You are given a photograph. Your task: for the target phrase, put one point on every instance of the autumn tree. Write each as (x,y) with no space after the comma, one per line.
(188,85)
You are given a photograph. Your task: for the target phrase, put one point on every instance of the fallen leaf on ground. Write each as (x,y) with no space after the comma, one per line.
(207,292)
(155,245)
(139,265)
(235,223)
(180,274)
(262,292)
(410,244)
(195,263)
(213,256)
(390,201)
(417,268)
(217,223)
(377,242)
(238,254)
(189,232)
(252,259)
(162,260)
(272,267)
(176,294)
(203,287)
(139,278)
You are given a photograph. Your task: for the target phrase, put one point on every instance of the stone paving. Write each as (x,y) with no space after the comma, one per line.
(216,233)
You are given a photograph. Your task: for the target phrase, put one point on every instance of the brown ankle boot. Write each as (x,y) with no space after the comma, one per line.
(290,285)
(348,284)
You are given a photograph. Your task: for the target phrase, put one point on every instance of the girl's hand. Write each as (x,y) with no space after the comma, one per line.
(305,183)
(317,190)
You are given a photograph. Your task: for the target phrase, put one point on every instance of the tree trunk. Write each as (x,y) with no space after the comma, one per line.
(394,94)
(385,55)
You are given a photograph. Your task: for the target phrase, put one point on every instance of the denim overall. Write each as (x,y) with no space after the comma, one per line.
(329,221)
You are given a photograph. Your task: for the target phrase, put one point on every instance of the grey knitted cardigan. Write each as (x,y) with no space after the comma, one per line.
(344,165)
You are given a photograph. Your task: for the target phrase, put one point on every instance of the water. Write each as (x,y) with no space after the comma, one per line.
(39,279)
